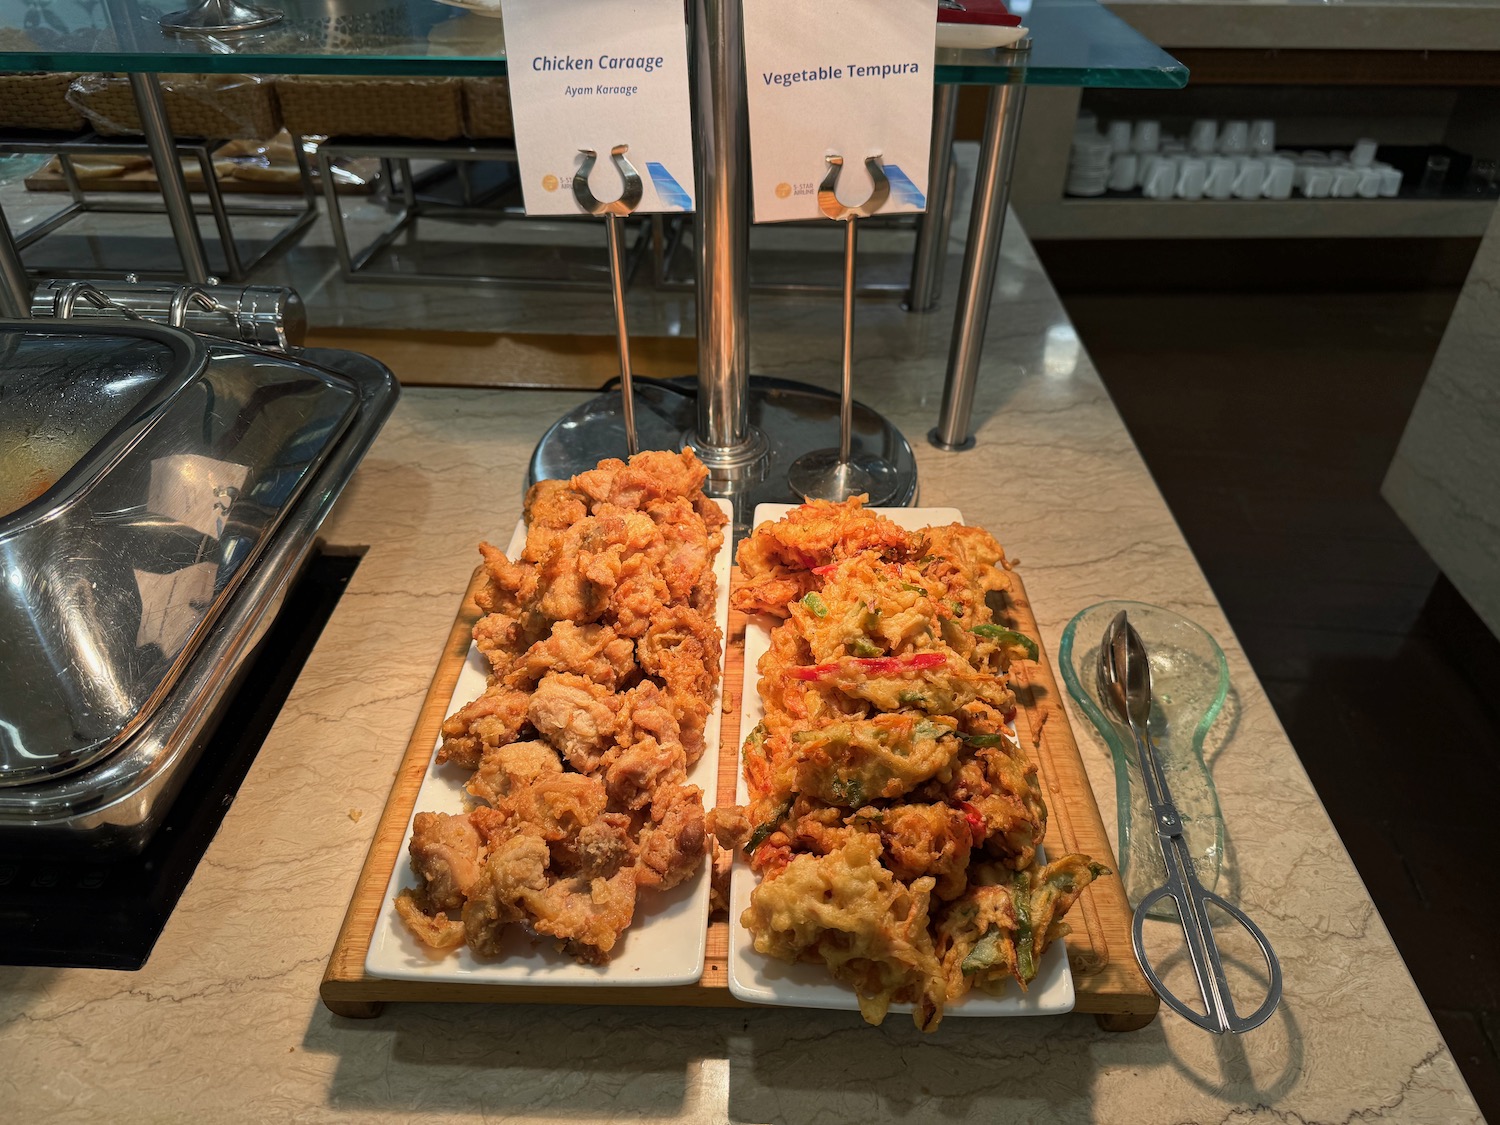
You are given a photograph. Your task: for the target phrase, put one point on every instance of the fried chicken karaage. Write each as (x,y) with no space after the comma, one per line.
(604,658)
(893,818)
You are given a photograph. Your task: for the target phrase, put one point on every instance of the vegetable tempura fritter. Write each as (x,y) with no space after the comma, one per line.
(893,817)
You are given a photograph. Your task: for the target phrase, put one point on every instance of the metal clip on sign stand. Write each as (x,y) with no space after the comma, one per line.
(614,216)
(837,474)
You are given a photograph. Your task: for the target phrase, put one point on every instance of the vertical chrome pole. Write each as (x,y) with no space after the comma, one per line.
(721,231)
(997,155)
(174,192)
(15,289)
(615,227)
(932,227)
(846,392)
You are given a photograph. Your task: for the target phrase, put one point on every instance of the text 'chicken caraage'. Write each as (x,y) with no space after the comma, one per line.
(893,817)
(604,656)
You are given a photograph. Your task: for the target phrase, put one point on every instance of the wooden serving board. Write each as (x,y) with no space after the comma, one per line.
(1107,981)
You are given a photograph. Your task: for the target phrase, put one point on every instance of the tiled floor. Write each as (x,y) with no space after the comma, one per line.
(1268,423)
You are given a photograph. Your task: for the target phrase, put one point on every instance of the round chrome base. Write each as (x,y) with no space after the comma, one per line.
(935,439)
(218,17)
(820,475)
(793,417)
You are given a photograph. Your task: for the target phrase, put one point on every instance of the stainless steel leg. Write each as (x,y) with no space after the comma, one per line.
(997,156)
(174,192)
(15,290)
(932,231)
(408,183)
(309,192)
(234,268)
(335,211)
(70,177)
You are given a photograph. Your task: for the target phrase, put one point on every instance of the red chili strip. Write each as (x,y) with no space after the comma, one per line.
(874,665)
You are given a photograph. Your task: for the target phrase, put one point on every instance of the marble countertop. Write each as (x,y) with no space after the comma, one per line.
(224,1022)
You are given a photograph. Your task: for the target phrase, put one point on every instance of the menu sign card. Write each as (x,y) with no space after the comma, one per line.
(593,74)
(838,77)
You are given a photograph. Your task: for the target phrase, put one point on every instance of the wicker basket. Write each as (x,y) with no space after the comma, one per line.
(487,109)
(221,106)
(427,109)
(38,101)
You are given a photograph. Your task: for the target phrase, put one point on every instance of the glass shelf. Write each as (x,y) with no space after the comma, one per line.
(1074,43)
(1077,43)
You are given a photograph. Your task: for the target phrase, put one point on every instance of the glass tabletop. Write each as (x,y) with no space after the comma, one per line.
(1076,42)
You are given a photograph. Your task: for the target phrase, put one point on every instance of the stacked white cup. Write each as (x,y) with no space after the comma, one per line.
(1203,138)
(1262,141)
(1280,172)
(1146,136)
(1192,178)
(1234,138)
(1088,165)
(1218,161)
(1220,182)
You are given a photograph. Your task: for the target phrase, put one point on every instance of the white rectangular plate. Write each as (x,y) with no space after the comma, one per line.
(765,980)
(665,943)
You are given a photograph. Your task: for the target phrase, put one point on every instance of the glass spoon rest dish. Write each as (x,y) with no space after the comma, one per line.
(1189,682)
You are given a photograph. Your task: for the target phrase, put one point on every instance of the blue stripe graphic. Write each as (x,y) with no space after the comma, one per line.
(671,192)
(902,189)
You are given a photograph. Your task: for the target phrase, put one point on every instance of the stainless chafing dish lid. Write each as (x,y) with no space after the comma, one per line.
(141,471)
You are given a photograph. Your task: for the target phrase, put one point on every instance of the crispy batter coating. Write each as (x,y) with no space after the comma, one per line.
(984,914)
(604,657)
(931,840)
(885,779)
(433,928)
(674,843)
(515,869)
(445,852)
(586,915)
(777,561)
(492,720)
(576,715)
(680,648)
(851,762)
(594,652)
(602,848)
(650,475)
(506,767)
(867,926)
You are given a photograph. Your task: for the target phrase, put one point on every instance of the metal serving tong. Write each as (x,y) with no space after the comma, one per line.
(614,213)
(837,474)
(1125,687)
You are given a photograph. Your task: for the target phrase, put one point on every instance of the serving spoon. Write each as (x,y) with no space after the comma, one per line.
(1124,676)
